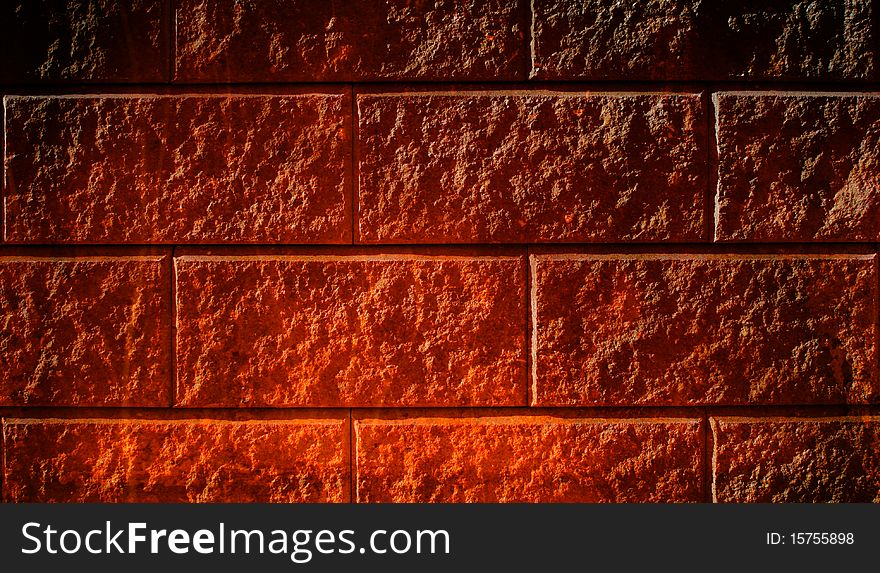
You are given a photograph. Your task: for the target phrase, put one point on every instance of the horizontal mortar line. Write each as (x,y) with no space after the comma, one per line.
(169,413)
(391,86)
(269,413)
(648,246)
(110,253)
(446,80)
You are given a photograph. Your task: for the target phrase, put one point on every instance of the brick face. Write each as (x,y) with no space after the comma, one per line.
(796,460)
(528,459)
(693,39)
(531,167)
(363,331)
(193,169)
(350,40)
(139,461)
(439,250)
(798,167)
(95,41)
(702,329)
(85,331)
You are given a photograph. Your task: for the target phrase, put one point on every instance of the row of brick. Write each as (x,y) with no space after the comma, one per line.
(347,327)
(369,40)
(503,458)
(441,167)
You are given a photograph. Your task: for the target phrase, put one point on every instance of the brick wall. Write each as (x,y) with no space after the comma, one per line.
(469,250)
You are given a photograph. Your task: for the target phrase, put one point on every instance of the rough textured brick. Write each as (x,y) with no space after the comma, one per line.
(531,167)
(528,459)
(71,40)
(350,331)
(798,167)
(702,39)
(350,40)
(704,329)
(796,460)
(143,169)
(136,461)
(85,331)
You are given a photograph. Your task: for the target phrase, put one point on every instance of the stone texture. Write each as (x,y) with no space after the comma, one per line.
(528,459)
(798,167)
(350,331)
(531,167)
(704,329)
(85,331)
(72,40)
(185,169)
(350,40)
(703,40)
(796,460)
(142,461)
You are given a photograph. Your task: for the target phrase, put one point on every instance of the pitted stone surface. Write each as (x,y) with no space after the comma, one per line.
(85,332)
(528,459)
(796,167)
(796,460)
(351,331)
(350,40)
(143,461)
(75,41)
(703,40)
(177,169)
(531,167)
(704,329)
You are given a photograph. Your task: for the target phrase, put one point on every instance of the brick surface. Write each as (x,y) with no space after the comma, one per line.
(695,39)
(508,250)
(350,40)
(531,167)
(136,461)
(85,331)
(188,169)
(798,167)
(796,460)
(703,329)
(99,40)
(350,331)
(528,459)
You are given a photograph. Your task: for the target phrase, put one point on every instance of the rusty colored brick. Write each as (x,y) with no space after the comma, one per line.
(142,461)
(703,40)
(75,41)
(704,329)
(350,40)
(515,167)
(383,330)
(798,167)
(528,459)
(89,331)
(799,460)
(178,169)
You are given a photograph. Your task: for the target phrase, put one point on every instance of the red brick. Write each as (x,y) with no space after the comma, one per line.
(185,169)
(704,329)
(528,459)
(700,40)
(798,167)
(91,331)
(377,330)
(350,40)
(99,40)
(531,167)
(796,460)
(141,461)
